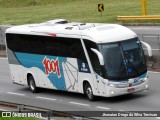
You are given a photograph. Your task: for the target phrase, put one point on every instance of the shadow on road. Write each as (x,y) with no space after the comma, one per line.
(71,95)
(123,98)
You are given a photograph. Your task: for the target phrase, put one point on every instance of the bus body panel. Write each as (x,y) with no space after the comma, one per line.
(65,72)
(69,79)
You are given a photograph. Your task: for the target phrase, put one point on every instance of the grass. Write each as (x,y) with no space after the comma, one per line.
(34,11)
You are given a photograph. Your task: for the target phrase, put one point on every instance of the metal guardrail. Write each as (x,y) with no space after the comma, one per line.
(46,113)
(2,43)
(152,39)
(153,63)
(151,17)
(2,50)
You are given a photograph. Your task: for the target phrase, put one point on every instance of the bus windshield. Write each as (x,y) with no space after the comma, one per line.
(124,59)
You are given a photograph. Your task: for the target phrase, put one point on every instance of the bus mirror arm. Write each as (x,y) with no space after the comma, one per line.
(100,56)
(148,48)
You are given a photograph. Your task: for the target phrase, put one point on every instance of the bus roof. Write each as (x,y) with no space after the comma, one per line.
(99,33)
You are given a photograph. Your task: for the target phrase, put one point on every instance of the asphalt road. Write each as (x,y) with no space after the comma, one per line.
(150,35)
(63,101)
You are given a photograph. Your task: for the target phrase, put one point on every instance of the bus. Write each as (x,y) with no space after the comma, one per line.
(91,58)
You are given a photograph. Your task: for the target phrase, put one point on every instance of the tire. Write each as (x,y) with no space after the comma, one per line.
(89,92)
(32,84)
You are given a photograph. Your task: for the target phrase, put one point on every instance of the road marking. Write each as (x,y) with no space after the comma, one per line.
(46,98)
(157,118)
(105,108)
(121,110)
(43,118)
(3,110)
(12,93)
(152,49)
(79,103)
(154,72)
(156,49)
(3,58)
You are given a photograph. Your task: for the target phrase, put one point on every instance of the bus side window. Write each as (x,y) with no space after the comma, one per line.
(66,47)
(93,57)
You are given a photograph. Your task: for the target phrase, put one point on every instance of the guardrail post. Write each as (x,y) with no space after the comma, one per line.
(49,114)
(159,42)
(1,37)
(144,7)
(20,108)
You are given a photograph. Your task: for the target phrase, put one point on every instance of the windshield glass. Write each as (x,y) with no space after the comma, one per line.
(123,60)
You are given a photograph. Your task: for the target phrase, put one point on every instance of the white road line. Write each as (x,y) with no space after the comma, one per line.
(46,98)
(105,108)
(152,49)
(157,118)
(79,103)
(3,110)
(156,49)
(121,110)
(154,72)
(43,118)
(3,58)
(12,93)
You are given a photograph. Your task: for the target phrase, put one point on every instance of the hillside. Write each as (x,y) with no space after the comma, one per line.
(33,11)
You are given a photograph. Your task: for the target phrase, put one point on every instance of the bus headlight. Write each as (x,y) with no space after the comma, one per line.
(146,86)
(112,92)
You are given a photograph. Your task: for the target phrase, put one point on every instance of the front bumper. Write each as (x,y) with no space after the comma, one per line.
(113,91)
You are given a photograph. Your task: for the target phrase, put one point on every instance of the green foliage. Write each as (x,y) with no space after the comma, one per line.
(17,118)
(35,11)
(26,3)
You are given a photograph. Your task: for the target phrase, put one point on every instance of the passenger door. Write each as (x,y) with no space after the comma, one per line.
(99,86)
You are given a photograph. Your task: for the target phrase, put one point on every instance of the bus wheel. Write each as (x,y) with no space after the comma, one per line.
(32,84)
(89,92)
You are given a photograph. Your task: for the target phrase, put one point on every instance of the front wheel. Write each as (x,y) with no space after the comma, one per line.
(32,84)
(89,92)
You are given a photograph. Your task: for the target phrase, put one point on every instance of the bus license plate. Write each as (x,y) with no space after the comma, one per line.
(130,90)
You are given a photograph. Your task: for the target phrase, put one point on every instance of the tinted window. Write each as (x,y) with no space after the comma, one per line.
(93,57)
(46,45)
(124,59)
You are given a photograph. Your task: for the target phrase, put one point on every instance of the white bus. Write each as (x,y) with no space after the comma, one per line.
(94,59)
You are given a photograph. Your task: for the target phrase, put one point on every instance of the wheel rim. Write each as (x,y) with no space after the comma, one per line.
(32,84)
(89,92)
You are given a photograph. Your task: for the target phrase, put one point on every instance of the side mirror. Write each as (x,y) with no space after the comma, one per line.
(100,56)
(148,48)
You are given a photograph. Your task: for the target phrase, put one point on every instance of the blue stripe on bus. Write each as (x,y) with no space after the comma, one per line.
(34,60)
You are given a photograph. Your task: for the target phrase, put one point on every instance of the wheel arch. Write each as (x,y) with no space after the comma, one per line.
(29,73)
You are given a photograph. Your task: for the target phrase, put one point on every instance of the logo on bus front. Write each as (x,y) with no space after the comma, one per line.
(51,66)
